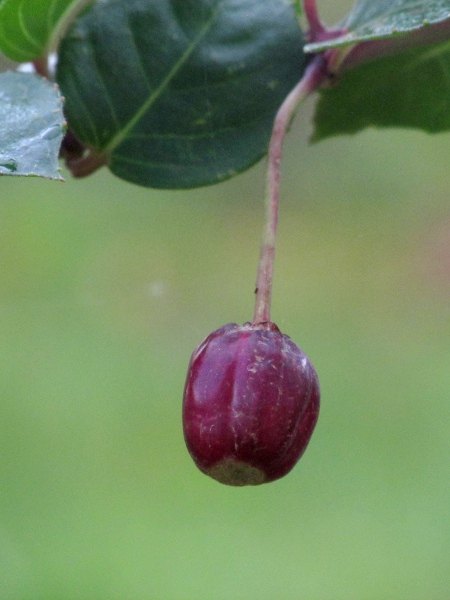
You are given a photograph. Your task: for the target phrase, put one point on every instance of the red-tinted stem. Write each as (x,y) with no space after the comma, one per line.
(312,78)
(316,26)
(87,164)
(41,66)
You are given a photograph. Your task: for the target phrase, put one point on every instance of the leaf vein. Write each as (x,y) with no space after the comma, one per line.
(139,58)
(27,35)
(159,90)
(89,117)
(107,96)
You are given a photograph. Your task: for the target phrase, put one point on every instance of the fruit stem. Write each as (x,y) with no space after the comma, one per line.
(312,78)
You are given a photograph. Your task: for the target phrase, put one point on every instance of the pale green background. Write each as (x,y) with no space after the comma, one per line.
(105,290)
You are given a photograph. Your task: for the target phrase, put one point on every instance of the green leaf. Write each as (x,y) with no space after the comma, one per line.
(29,27)
(298,6)
(179,93)
(31,125)
(378,19)
(411,89)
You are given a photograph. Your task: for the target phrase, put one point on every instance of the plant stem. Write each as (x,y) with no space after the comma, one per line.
(312,78)
(41,66)
(87,164)
(316,26)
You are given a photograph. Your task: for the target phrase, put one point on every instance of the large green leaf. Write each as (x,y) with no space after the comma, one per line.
(411,89)
(179,93)
(27,27)
(377,19)
(31,125)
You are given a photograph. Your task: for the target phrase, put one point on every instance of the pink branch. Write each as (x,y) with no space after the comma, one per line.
(312,78)
(316,27)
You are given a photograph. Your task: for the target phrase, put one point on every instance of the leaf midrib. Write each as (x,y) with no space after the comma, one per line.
(153,97)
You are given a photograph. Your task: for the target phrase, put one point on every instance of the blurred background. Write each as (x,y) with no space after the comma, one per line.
(106,289)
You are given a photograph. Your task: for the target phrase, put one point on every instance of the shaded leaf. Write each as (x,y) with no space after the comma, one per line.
(411,89)
(27,27)
(377,19)
(31,125)
(179,93)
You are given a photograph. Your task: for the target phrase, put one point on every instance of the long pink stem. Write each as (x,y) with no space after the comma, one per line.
(312,78)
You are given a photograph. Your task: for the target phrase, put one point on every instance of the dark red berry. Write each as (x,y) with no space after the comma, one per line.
(251,402)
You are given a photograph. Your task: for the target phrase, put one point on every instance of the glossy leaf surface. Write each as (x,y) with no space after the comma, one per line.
(179,93)
(411,89)
(372,20)
(27,27)
(31,125)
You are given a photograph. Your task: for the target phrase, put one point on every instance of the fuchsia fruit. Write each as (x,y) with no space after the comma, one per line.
(251,399)
(251,402)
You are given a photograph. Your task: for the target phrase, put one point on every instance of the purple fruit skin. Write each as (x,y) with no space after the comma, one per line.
(251,403)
